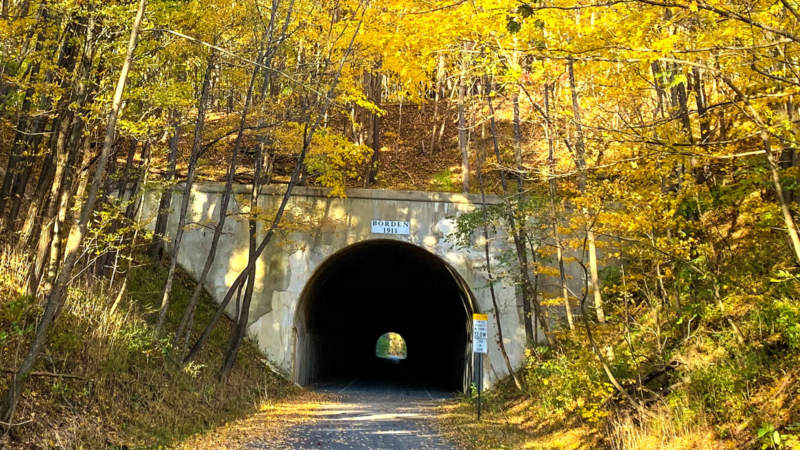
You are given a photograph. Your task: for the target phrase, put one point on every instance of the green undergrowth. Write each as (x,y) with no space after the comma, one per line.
(105,379)
(511,419)
(704,390)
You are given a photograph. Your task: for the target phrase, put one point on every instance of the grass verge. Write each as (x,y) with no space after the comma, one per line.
(508,421)
(105,379)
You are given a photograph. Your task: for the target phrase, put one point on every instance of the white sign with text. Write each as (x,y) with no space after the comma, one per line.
(480,330)
(390,227)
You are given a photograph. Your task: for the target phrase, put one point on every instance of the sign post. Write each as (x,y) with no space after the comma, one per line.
(480,328)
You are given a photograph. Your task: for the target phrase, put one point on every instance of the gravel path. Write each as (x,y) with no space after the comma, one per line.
(365,415)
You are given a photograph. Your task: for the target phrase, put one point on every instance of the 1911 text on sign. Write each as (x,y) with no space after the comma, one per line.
(390,227)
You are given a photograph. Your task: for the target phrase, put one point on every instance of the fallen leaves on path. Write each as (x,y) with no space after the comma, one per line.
(268,424)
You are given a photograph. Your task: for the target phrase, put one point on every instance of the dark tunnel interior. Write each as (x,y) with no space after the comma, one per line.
(375,287)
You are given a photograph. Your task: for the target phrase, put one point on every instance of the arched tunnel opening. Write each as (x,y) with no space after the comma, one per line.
(375,287)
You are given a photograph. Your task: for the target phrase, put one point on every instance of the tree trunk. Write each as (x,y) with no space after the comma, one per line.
(702,174)
(238,333)
(436,96)
(788,220)
(253,257)
(462,131)
(160,230)
(136,189)
(553,193)
(49,229)
(64,133)
(124,178)
(580,158)
(520,237)
(17,149)
(21,184)
(61,220)
(132,247)
(374,129)
(99,264)
(32,225)
(243,312)
(488,259)
(56,297)
(30,228)
(532,289)
(80,96)
(81,183)
(596,350)
(122,189)
(188,313)
(187,189)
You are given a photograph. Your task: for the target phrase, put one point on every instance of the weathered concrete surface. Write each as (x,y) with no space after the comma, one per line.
(315,227)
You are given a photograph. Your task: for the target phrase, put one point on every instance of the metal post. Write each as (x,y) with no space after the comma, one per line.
(480,329)
(480,382)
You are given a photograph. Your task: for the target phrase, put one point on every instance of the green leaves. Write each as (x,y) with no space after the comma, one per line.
(514,21)
(513,25)
(769,437)
(525,10)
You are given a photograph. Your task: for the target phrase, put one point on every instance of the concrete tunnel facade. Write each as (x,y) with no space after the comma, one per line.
(328,286)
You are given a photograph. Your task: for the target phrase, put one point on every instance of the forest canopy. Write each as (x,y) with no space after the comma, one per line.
(652,143)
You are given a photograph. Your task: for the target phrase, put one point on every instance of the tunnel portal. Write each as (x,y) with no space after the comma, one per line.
(379,286)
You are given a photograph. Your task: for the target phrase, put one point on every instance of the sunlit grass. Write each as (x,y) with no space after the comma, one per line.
(123,386)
